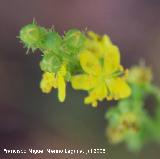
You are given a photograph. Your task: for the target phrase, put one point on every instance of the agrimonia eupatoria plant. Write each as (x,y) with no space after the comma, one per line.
(91,62)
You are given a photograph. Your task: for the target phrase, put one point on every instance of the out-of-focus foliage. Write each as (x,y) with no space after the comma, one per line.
(130,121)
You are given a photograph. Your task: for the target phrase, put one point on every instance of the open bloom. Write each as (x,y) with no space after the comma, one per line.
(55,80)
(103,75)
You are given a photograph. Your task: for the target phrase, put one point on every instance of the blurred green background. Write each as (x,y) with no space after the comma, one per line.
(29,118)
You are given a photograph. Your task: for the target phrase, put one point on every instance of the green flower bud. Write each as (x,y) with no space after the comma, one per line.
(50,63)
(52,42)
(32,36)
(74,41)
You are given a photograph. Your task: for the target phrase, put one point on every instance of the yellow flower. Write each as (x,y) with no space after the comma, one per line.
(128,124)
(129,121)
(103,76)
(52,80)
(140,74)
(115,134)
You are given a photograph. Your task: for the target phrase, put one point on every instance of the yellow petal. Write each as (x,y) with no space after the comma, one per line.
(61,88)
(106,41)
(98,93)
(90,63)
(83,82)
(45,86)
(111,60)
(93,35)
(47,82)
(118,88)
(48,76)
(90,100)
(95,47)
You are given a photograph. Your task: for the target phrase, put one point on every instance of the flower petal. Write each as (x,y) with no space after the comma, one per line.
(61,88)
(90,63)
(47,82)
(93,35)
(98,93)
(111,59)
(45,86)
(83,82)
(118,88)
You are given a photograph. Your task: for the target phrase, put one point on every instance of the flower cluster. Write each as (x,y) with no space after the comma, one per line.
(59,55)
(89,61)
